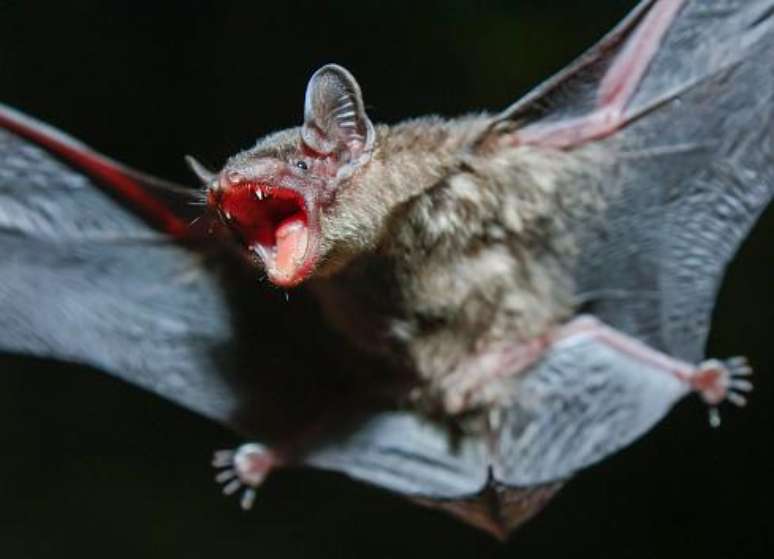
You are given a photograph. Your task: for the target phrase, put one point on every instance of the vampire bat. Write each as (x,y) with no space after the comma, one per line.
(507,298)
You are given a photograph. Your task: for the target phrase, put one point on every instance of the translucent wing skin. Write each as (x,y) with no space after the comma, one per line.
(86,280)
(696,171)
(693,165)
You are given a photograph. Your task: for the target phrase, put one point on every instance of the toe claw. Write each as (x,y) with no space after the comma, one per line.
(221,463)
(248,498)
(232,487)
(736,399)
(714,417)
(225,475)
(741,385)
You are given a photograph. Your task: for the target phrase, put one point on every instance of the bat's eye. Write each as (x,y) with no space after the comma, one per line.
(301,165)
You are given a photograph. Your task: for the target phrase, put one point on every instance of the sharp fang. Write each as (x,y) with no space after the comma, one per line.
(266,254)
(259,195)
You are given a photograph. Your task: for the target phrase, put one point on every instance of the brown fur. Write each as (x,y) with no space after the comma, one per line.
(437,254)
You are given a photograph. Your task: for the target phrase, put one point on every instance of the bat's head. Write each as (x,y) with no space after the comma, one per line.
(277,197)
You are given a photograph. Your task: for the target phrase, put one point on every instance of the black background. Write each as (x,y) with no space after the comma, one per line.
(90,466)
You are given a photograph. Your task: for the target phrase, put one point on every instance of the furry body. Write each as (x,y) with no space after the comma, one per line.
(459,253)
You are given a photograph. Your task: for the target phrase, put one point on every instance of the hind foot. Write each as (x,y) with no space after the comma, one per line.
(718,381)
(247,467)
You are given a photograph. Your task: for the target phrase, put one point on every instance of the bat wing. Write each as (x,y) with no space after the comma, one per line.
(697,171)
(694,160)
(84,279)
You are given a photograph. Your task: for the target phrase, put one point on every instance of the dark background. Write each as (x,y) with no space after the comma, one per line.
(90,466)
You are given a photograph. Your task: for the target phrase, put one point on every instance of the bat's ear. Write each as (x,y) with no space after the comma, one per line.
(334,116)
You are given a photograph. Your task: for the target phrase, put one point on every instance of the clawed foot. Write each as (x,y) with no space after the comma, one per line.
(717,381)
(247,467)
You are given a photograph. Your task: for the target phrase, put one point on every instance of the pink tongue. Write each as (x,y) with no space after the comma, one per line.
(292,236)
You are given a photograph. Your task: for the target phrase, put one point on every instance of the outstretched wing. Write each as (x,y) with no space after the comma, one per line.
(84,278)
(693,146)
(696,170)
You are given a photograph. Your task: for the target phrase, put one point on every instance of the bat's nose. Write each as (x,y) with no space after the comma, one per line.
(257,171)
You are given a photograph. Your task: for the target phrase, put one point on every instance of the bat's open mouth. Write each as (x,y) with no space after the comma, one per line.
(273,223)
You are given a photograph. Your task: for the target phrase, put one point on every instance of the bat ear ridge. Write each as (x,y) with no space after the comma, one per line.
(335,120)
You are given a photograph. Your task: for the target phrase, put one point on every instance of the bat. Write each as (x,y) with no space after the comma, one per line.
(508,298)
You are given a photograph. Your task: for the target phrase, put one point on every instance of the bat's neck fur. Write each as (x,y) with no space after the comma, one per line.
(461,252)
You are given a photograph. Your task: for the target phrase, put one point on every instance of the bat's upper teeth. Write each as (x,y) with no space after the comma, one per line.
(259,194)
